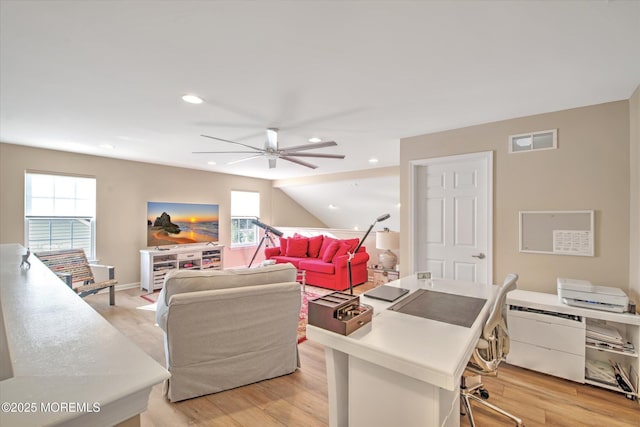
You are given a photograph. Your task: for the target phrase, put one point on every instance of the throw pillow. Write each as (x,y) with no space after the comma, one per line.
(283,245)
(297,247)
(326,241)
(353,243)
(330,252)
(342,250)
(315,243)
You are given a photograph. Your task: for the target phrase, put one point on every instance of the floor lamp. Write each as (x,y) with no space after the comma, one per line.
(352,254)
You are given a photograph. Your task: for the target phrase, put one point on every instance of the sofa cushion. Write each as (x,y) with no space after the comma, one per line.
(283,245)
(353,243)
(317,265)
(297,247)
(315,243)
(330,252)
(295,261)
(271,252)
(326,241)
(343,248)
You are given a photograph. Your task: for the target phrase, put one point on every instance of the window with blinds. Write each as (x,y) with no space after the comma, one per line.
(60,212)
(245,206)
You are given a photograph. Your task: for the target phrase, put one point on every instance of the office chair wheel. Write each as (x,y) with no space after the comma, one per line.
(484,393)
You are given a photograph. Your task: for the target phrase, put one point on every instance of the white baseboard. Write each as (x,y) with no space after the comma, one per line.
(128,286)
(122,287)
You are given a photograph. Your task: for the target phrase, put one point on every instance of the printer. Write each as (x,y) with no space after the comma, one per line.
(581,293)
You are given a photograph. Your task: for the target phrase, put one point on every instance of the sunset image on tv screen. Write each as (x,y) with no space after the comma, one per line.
(181,223)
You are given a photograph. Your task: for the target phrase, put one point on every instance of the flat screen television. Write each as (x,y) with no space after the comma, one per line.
(181,223)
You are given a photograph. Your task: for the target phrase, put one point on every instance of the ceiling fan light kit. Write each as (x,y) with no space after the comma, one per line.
(272,152)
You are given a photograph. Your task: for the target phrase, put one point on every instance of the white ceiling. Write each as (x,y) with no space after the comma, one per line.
(76,75)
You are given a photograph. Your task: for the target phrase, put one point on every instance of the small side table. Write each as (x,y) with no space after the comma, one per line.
(382,276)
(301,277)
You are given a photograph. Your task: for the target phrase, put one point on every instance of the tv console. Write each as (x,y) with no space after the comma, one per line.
(156,262)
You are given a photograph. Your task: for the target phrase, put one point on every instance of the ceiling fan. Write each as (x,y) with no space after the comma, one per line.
(272,152)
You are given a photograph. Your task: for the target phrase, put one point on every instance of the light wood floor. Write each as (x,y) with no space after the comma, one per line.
(300,399)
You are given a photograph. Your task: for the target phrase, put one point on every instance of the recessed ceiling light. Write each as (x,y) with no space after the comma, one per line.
(192,99)
(315,139)
(107,146)
(373,160)
(211,163)
(332,206)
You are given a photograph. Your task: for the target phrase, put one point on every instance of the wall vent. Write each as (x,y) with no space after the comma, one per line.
(532,141)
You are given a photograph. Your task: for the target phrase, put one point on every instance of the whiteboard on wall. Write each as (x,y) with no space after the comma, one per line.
(557,232)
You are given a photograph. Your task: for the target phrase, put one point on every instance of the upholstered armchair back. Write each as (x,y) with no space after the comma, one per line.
(226,329)
(183,281)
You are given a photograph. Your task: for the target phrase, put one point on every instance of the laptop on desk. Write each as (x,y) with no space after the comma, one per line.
(386,293)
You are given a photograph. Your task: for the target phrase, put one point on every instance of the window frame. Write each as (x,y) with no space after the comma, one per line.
(236,229)
(29,219)
(244,213)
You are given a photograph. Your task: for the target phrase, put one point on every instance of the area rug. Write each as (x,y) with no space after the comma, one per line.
(152,297)
(304,315)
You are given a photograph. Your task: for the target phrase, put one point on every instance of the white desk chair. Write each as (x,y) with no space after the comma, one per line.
(491,349)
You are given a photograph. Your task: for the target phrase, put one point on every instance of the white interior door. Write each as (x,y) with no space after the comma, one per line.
(452,217)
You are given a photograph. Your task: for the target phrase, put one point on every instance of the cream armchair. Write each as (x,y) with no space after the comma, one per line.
(225,329)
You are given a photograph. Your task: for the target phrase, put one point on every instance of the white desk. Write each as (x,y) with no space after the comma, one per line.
(63,363)
(400,369)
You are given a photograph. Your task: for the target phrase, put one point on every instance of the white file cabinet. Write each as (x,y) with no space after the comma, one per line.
(550,337)
(545,342)
(155,263)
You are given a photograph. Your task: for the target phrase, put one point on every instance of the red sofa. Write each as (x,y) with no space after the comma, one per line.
(324,259)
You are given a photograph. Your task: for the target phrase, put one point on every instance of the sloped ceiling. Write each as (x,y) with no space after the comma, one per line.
(353,203)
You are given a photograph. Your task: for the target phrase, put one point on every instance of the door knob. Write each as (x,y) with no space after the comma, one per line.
(479,256)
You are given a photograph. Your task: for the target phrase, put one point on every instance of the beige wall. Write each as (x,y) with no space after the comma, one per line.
(285,212)
(123,190)
(634,157)
(589,170)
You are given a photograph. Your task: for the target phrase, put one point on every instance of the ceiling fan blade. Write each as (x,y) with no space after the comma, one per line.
(226,152)
(272,163)
(311,146)
(320,155)
(300,162)
(233,162)
(233,142)
(272,139)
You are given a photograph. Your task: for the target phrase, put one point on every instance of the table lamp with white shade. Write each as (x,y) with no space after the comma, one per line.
(388,240)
